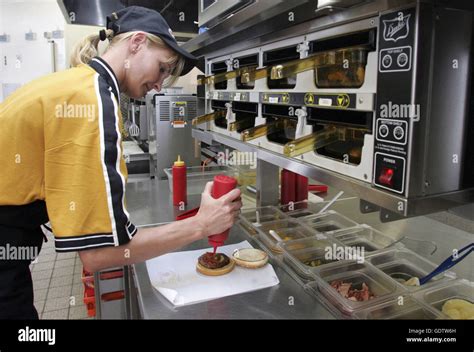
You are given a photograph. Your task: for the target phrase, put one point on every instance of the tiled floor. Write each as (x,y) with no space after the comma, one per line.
(57,284)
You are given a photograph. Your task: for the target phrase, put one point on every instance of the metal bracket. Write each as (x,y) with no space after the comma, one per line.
(367,207)
(327,10)
(302,128)
(387,215)
(303,49)
(268,179)
(230,67)
(230,116)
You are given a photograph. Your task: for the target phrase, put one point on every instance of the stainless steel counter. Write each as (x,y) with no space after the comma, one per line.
(149,203)
(288,300)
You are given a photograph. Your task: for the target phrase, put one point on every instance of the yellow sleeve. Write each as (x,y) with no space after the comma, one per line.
(85,173)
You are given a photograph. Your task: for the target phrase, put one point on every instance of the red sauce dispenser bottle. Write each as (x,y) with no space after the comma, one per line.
(301,188)
(288,188)
(179,182)
(301,191)
(222,184)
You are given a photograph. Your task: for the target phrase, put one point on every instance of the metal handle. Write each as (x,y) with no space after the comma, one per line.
(325,10)
(222,77)
(208,117)
(253,74)
(291,68)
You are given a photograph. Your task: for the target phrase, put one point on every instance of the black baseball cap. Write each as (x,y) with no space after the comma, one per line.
(137,18)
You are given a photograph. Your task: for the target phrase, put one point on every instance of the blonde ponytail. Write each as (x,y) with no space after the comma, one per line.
(87,49)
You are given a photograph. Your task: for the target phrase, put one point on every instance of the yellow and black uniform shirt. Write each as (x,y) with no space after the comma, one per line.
(60,142)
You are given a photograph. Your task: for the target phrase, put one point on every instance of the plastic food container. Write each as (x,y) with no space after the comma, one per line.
(302,209)
(248,229)
(197,178)
(402,307)
(285,230)
(381,286)
(285,265)
(246,174)
(265,214)
(344,68)
(307,254)
(295,207)
(403,264)
(436,296)
(365,237)
(301,213)
(248,218)
(329,221)
(312,288)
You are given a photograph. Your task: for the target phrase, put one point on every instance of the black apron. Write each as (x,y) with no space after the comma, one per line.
(19,228)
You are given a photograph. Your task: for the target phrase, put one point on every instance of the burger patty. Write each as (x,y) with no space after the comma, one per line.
(213,261)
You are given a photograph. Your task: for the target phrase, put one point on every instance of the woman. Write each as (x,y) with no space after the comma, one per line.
(64,163)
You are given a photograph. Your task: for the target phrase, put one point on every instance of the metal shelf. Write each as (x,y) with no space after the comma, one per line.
(391,206)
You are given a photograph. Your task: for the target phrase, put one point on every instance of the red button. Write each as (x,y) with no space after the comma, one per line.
(386,176)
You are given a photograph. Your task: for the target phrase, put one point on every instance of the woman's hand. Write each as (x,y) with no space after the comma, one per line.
(217,215)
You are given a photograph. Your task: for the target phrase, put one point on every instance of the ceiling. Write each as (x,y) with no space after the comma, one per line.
(180,14)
